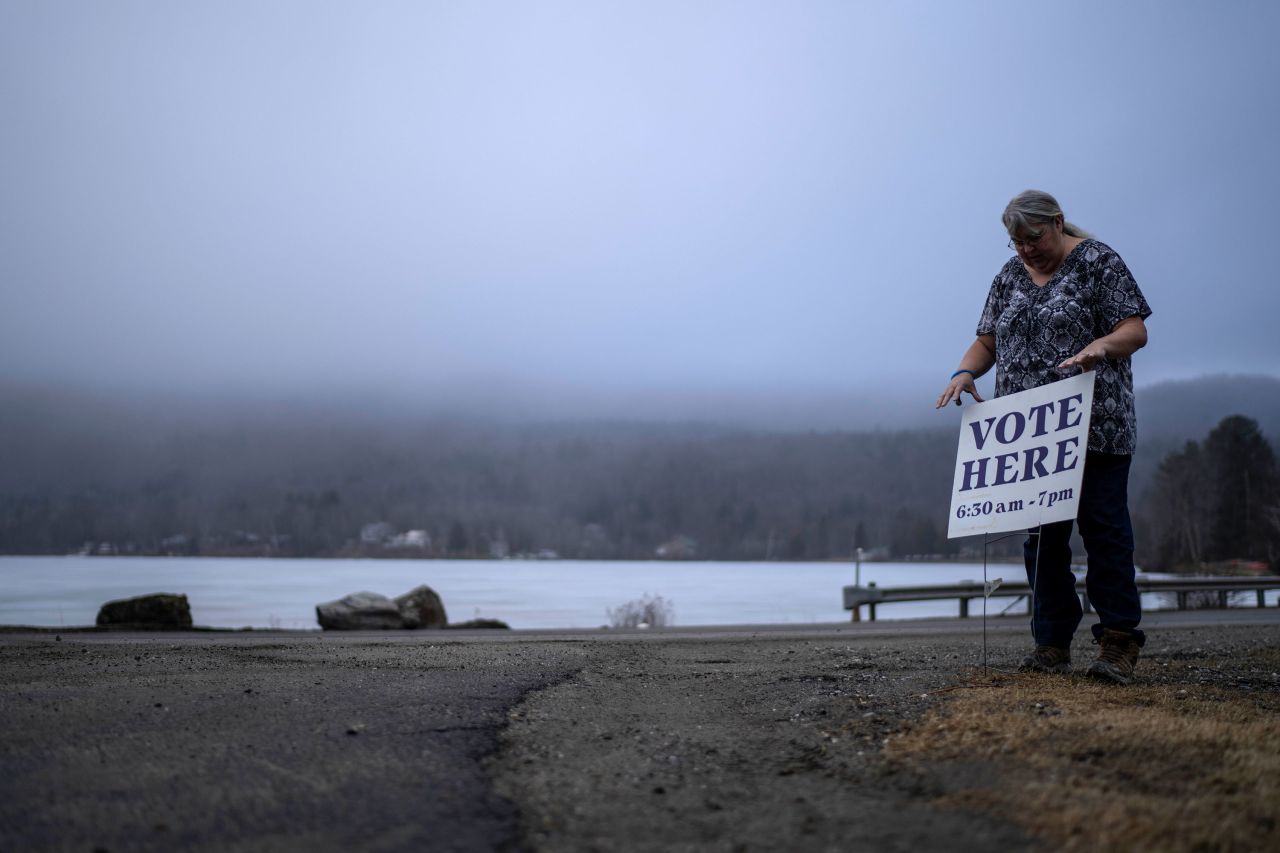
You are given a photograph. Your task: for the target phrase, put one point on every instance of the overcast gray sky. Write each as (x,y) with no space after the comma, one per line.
(569,206)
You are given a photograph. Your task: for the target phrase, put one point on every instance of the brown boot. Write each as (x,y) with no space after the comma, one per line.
(1117,656)
(1047,659)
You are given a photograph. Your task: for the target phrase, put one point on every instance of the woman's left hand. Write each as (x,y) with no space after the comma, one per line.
(1086,358)
(1128,336)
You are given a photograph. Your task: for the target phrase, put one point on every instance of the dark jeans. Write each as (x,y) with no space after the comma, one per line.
(1108,540)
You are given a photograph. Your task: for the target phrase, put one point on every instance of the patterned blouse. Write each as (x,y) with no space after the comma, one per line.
(1037,328)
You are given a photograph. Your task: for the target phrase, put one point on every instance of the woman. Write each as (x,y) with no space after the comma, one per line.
(1067,302)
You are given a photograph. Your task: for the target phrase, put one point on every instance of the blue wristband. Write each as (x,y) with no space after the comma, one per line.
(962,370)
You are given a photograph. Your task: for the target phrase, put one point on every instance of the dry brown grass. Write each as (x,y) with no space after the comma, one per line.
(1171,765)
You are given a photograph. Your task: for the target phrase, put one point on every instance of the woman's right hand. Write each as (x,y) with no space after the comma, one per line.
(961,382)
(980,356)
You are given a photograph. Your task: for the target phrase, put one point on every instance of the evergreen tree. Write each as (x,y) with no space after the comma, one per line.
(1245,489)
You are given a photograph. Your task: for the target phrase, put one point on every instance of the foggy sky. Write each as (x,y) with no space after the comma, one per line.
(613,208)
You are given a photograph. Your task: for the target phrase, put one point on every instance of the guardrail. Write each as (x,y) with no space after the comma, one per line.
(871,595)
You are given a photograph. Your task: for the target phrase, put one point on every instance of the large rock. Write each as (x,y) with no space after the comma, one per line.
(159,611)
(359,611)
(420,607)
(480,625)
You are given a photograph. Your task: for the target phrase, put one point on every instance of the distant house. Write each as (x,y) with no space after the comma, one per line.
(410,539)
(376,533)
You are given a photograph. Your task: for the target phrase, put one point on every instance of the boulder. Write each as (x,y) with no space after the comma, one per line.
(480,624)
(420,607)
(159,611)
(359,611)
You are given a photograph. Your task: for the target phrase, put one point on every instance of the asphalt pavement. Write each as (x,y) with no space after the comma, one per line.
(549,740)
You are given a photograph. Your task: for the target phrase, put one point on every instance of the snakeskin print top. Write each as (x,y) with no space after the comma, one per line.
(1036,328)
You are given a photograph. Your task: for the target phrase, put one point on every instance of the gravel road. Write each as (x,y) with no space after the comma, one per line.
(716,739)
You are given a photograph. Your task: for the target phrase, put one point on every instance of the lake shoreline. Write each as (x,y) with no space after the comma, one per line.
(525,594)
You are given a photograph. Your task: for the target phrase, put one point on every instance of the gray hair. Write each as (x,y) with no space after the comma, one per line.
(1031,210)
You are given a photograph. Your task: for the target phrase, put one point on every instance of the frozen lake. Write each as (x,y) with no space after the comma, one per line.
(280,593)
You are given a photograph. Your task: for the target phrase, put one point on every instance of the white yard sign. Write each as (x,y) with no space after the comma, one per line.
(1021,458)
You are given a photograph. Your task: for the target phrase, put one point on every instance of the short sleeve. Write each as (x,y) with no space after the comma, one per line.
(993,308)
(1116,294)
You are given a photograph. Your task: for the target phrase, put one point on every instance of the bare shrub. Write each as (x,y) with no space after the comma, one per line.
(648,611)
(1207,599)
(1202,599)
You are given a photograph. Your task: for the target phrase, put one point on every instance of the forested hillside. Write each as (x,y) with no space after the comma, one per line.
(197,478)
(596,490)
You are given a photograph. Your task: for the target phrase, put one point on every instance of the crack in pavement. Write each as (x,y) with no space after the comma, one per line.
(646,749)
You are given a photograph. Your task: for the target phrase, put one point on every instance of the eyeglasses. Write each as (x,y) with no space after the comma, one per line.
(1019,245)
